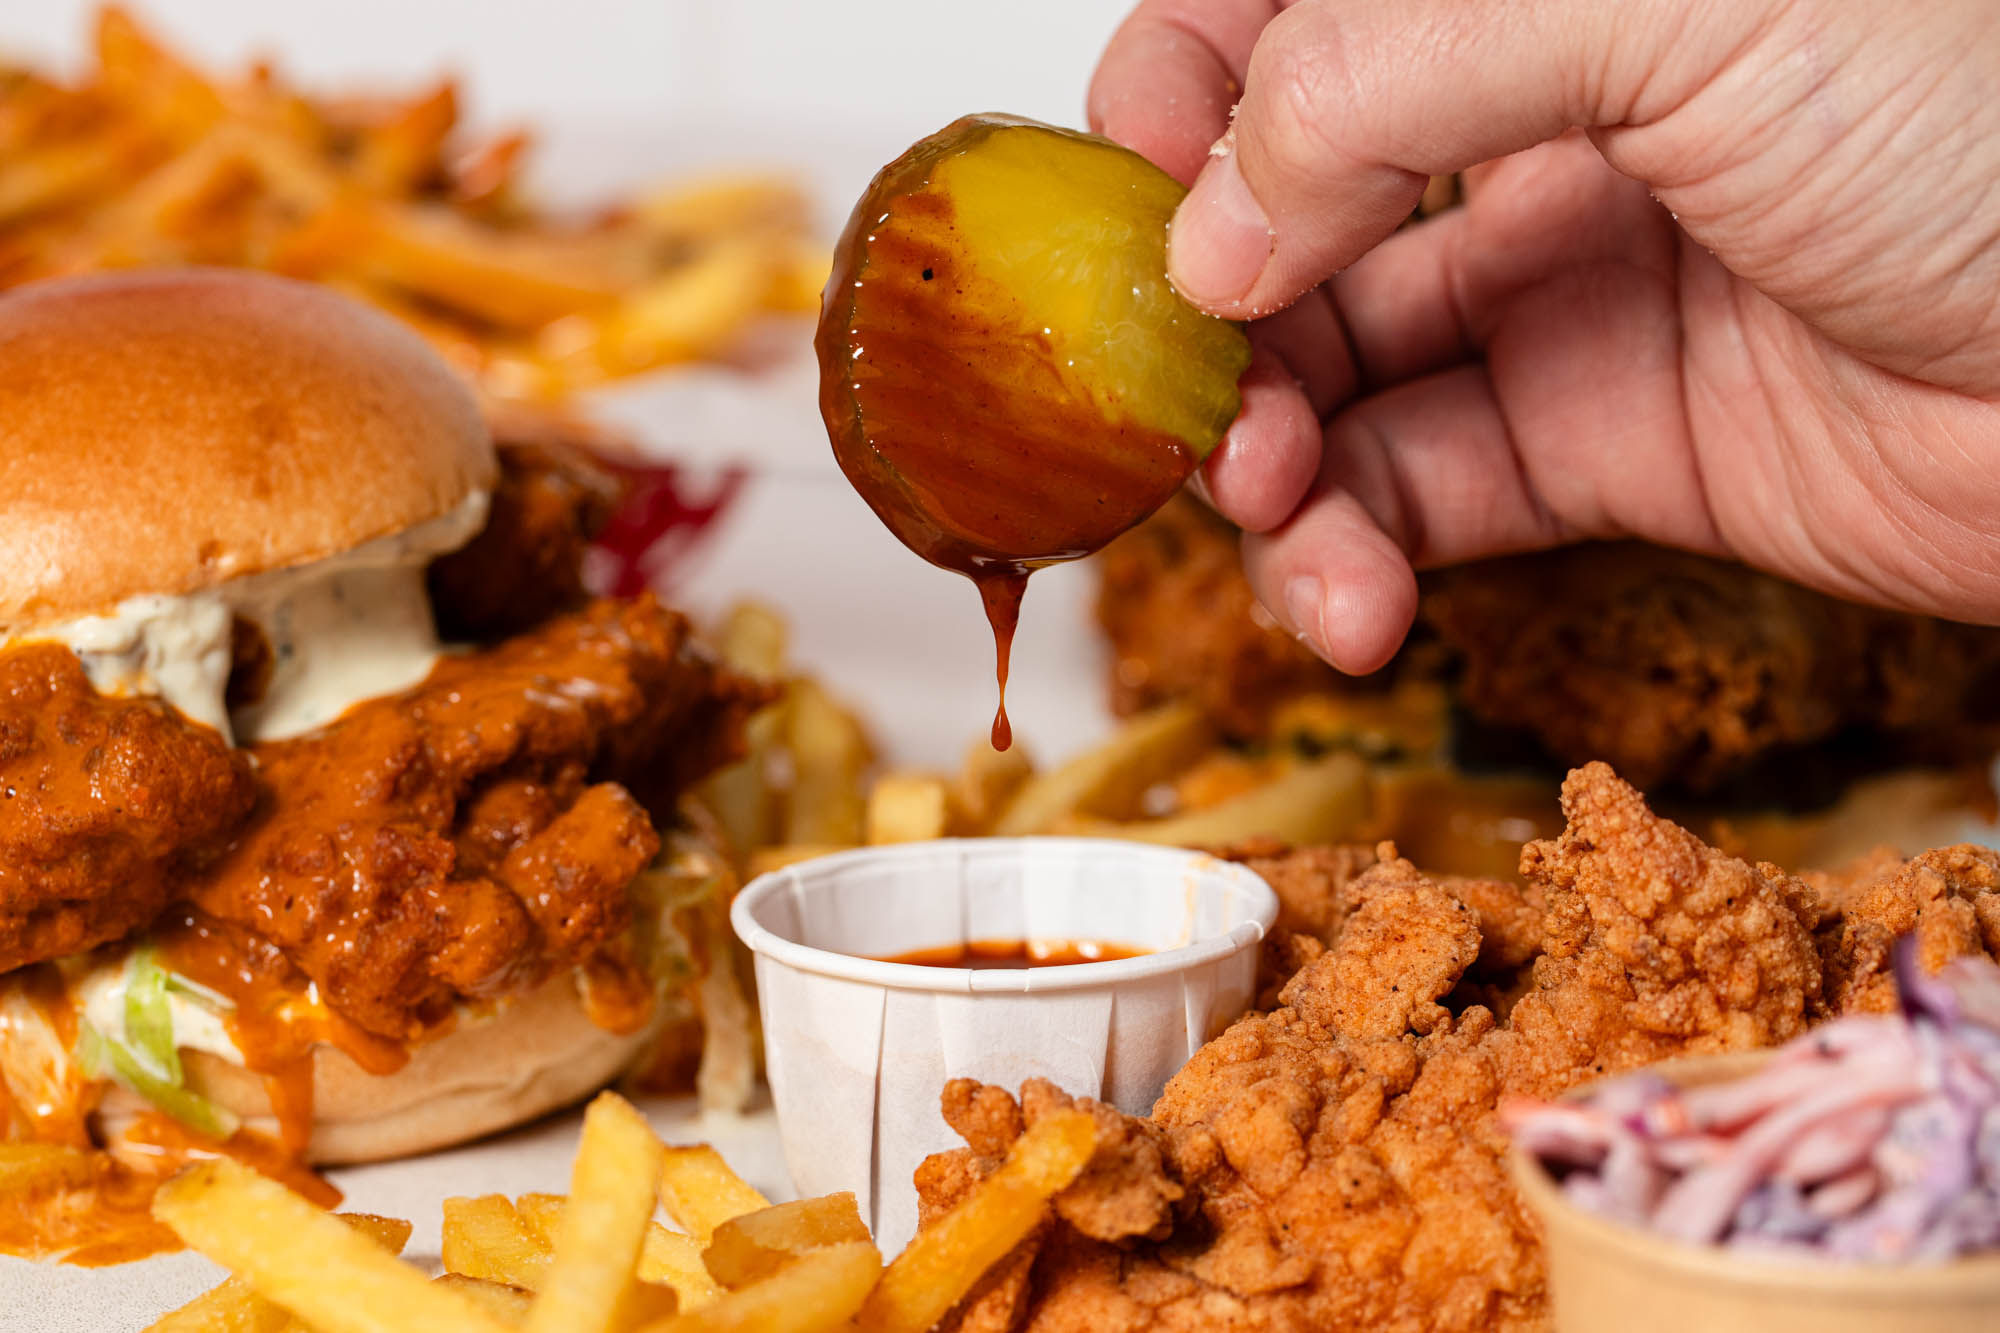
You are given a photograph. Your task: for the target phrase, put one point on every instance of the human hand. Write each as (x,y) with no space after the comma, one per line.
(1725,280)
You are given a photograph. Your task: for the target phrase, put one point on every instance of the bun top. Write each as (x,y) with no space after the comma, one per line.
(163,431)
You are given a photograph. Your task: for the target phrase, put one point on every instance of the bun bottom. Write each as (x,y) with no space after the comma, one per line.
(536,1055)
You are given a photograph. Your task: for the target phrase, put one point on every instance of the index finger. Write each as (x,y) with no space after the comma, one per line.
(1170,75)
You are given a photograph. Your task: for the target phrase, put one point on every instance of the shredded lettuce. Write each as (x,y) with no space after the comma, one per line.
(102,1057)
(149,1019)
(200,994)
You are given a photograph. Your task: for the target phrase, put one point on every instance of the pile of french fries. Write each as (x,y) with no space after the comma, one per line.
(809,786)
(597,1260)
(149,161)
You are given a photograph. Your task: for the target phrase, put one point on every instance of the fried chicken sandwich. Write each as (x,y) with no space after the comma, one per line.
(281,872)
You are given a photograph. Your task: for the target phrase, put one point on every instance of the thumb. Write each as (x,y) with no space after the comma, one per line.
(1349,106)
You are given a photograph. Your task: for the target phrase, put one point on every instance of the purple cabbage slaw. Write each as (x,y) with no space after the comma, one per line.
(1873,1138)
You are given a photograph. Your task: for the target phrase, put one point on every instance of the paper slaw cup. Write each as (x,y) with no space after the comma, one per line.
(858,1050)
(1605,1274)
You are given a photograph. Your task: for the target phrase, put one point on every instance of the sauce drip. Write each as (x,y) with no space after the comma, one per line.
(91,1208)
(1001,591)
(275,1019)
(983,954)
(956,424)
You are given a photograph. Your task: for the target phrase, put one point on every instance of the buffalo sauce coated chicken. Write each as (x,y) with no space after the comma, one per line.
(460,840)
(104,804)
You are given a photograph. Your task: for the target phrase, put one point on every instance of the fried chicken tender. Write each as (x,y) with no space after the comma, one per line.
(105,802)
(1315,888)
(1184,624)
(465,837)
(1656,944)
(1948,898)
(1679,670)
(1337,1159)
(526,564)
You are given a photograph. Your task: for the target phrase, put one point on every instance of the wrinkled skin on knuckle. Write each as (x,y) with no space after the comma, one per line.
(1300,83)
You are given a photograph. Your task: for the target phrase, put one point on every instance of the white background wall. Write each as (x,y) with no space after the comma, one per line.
(882,63)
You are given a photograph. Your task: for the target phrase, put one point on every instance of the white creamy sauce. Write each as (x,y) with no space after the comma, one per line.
(344,629)
(100,995)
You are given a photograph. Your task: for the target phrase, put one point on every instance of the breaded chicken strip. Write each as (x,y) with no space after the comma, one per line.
(1679,670)
(1684,670)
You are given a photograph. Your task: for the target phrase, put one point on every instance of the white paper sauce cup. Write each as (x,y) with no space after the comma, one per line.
(858,1050)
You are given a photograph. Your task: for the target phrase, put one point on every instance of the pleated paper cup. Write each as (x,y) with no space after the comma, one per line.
(1606,1275)
(858,1050)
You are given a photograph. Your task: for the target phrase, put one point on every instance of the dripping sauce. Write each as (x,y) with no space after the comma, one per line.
(956,425)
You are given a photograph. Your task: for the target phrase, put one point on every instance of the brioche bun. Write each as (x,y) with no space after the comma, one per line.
(162,431)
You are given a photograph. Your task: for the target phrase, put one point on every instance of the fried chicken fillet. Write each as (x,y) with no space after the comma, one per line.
(469,836)
(1681,671)
(1335,1162)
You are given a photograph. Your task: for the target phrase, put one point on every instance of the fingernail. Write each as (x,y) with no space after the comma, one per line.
(1221,237)
(1305,607)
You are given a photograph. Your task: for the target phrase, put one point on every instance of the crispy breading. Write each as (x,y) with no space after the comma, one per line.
(526,564)
(469,835)
(105,801)
(1656,944)
(1315,894)
(1948,898)
(1338,1157)
(1681,671)
(1184,624)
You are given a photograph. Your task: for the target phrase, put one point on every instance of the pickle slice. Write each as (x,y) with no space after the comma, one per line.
(1006,373)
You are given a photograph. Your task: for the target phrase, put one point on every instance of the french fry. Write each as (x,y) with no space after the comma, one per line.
(752,641)
(1108,781)
(750,1248)
(55,175)
(613,1188)
(486,1238)
(829,754)
(515,282)
(700,1191)
(235,1306)
(987,780)
(391,1233)
(305,1260)
(1410,720)
(1324,800)
(907,807)
(508,1305)
(668,1257)
(820,1290)
(940,1265)
(540,1214)
(148,160)
(677,316)
(673,1258)
(232,1307)
(724,204)
(396,156)
(135,69)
